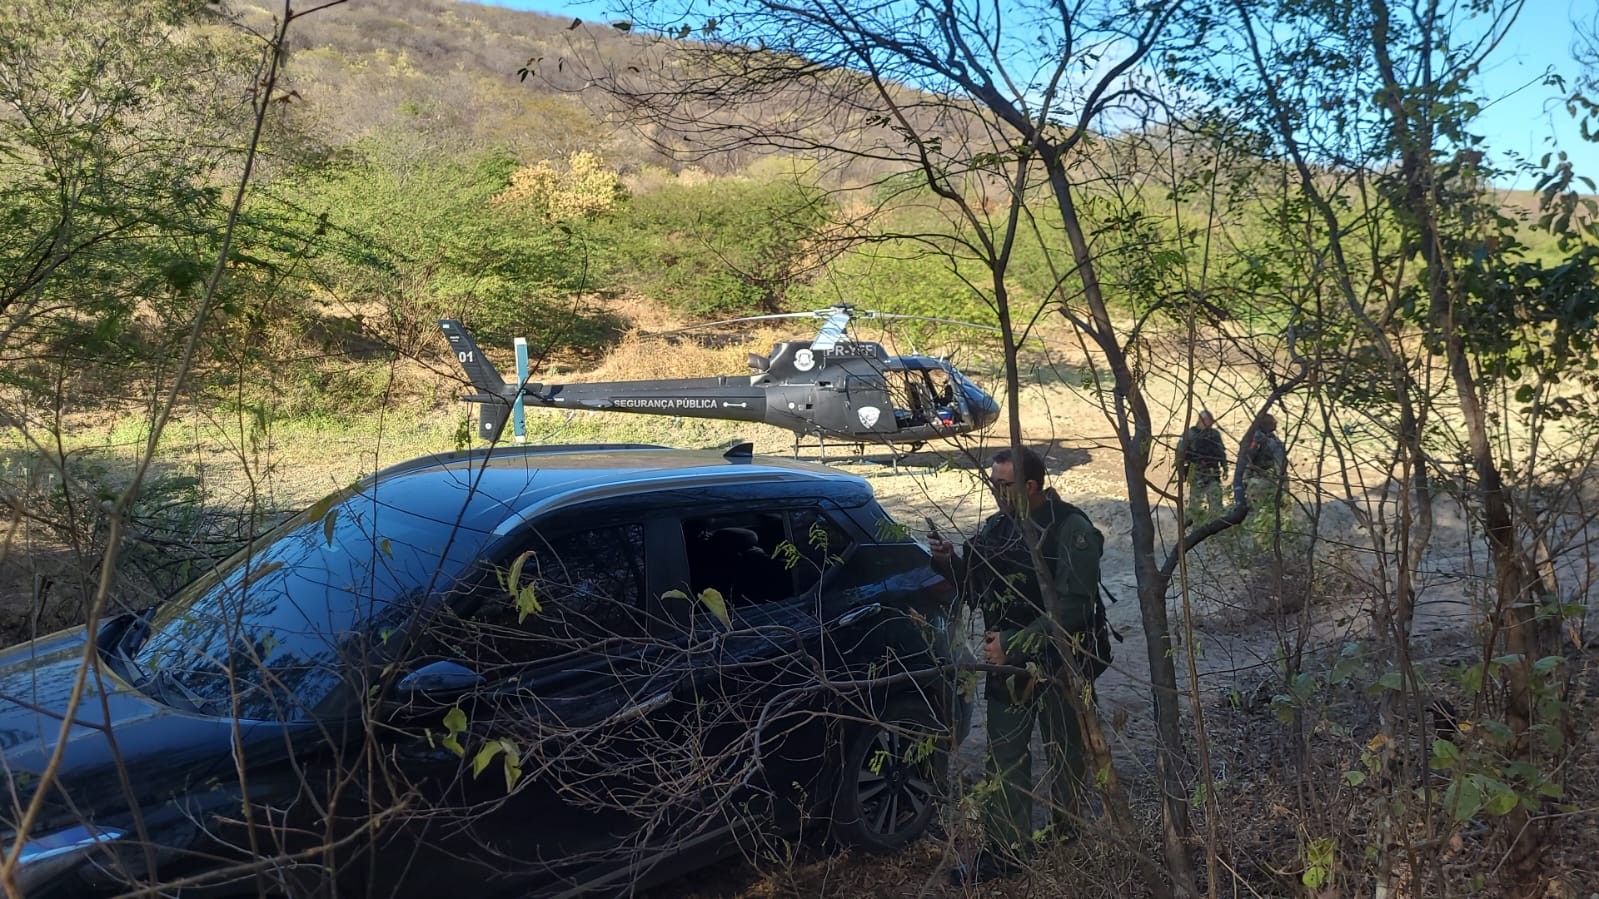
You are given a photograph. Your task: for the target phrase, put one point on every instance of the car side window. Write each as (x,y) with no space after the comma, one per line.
(573,590)
(761,556)
(733,555)
(819,544)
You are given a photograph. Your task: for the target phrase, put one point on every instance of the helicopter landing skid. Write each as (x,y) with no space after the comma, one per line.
(896,453)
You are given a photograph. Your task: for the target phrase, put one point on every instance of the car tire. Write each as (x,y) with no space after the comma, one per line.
(892,779)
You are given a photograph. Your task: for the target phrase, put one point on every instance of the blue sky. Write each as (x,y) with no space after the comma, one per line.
(1527,118)
(1530,113)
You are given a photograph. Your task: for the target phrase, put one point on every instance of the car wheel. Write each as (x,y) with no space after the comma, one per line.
(891,781)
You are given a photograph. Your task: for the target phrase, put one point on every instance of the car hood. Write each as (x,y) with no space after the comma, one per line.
(114,726)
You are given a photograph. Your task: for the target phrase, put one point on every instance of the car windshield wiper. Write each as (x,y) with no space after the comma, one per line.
(164,678)
(128,642)
(156,686)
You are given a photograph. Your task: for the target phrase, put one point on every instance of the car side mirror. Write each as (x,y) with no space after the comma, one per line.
(438,678)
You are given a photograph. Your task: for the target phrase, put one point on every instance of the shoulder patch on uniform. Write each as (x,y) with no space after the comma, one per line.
(1080,540)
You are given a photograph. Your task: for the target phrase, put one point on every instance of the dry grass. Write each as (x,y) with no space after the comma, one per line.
(641,356)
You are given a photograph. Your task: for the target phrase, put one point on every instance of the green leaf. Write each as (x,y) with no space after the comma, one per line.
(385,547)
(1501,797)
(1463,799)
(527,603)
(712,599)
(1547,664)
(513,768)
(454,724)
(1304,686)
(1390,681)
(322,506)
(1320,856)
(1499,730)
(1354,778)
(1445,755)
(514,576)
(455,720)
(486,756)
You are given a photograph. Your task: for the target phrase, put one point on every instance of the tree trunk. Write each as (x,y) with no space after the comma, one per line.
(1135,434)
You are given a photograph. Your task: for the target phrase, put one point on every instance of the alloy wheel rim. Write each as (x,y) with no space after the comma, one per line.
(894,787)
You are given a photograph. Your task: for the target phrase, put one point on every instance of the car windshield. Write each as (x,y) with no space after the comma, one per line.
(285,627)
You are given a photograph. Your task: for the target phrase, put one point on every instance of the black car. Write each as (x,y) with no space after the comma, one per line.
(540,671)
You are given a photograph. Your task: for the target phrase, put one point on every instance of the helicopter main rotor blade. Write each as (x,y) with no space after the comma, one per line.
(926,318)
(747,318)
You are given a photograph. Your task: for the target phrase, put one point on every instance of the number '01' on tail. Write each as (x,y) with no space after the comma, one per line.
(479,370)
(493,394)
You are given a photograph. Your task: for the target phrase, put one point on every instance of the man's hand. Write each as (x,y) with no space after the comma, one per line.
(943,551)
(993,648)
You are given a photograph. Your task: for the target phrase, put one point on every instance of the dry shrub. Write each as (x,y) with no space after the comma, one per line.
(642,356)
(641,313)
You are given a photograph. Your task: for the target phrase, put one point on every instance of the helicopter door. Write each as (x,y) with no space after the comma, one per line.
(869,409)
(908,390)
(948,406)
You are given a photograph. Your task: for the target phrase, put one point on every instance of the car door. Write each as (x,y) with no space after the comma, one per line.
(760,703)
(541,766)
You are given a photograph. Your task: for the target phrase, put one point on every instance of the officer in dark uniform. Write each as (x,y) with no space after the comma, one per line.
(1265,466)
(997,574)
(1201,456)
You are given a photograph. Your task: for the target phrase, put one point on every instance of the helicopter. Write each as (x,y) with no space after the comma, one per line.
(828,386)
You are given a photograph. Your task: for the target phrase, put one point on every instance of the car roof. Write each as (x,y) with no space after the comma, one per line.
(493,490)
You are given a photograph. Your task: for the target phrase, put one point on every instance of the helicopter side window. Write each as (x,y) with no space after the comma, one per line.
(940,387)
(910,395)
(942,391)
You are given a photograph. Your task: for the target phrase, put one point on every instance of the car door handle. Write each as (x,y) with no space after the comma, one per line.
(861,614)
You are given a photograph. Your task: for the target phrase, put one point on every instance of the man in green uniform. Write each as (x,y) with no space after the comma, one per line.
(1201,456)
(1266,464)
(997,573)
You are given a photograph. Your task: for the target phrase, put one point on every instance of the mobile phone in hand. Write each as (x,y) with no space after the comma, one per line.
(932,528)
